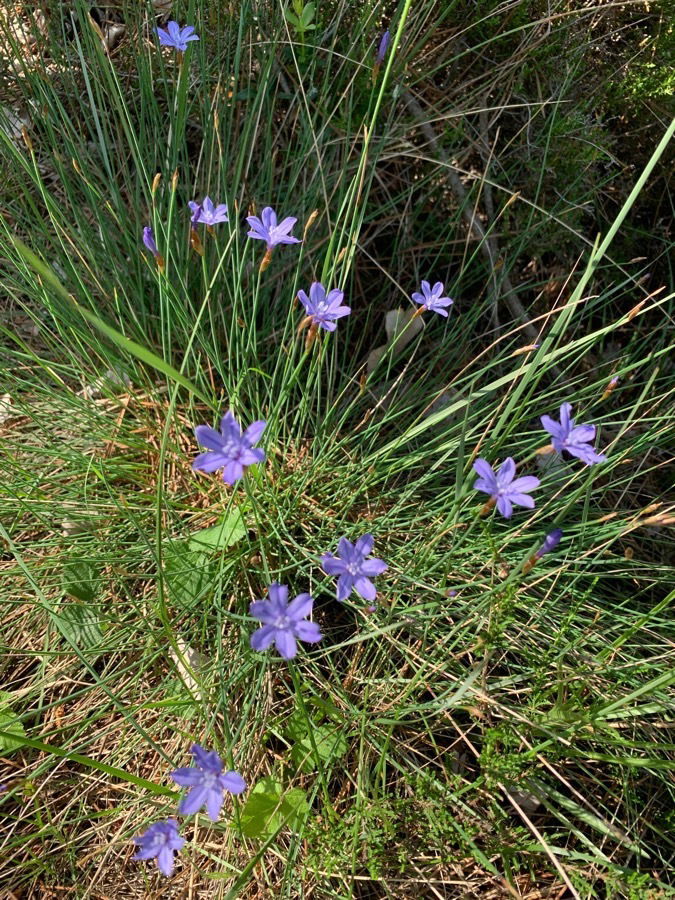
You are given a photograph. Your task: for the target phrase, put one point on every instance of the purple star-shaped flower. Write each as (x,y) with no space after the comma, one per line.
(503,487)
(551,541)
(354,571)
(207,213)
(176,37)
(432,298)
(229,450)
(565,435)
(159,842)
(266,228)
(283,622)
(206,782)
(383,47)
(323,309)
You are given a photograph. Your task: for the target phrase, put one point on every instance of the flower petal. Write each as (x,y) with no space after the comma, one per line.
(209,461)
(263,610)
(187,777)
(269,218)
(565,417)
(300,608)
(279,595)
(586,454)
(285,226)
(254,432)
(487,487)
(263,637)
(229,427)
(232,472)
(233,782)
(334,298)
(554,428)
(251,457)
(285,643)
(209,437)
(208,760)
(483,468)
(165,860)
(345,548)
(373,567)
(332,565)
(506,472)
(522,500)
(505,506)
(345,584)
(340,311)
(365,587)
(193,801)
(317,293)
(365,544)
(582,434)
(214,802)
(308,631)
(525,484)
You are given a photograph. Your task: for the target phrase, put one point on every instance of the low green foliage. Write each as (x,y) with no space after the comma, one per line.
(270,807)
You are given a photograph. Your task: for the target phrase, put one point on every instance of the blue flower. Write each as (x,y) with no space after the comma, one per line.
(323,309)
(229,450)
(574,439)
(432,298)
(354,571)
(503,487)
(283,622)
(207,783)
(149,241)
(176,37)
(159,842)
(551,541)
(207,213)
(266,228)
(383,47)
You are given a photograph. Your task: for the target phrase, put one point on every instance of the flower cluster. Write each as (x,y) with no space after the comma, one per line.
(231,450)
(207,784)
(505,490)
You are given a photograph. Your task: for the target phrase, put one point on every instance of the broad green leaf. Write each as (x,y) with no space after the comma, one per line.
(80,623)
(292,19)
(308,14)
(188,575)
(226,533)
(12,730)
(269,808)
(326,743)
(81,580)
